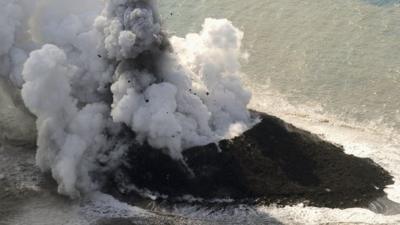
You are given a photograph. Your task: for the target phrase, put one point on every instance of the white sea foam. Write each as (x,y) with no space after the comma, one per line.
(80,61)
(381,144)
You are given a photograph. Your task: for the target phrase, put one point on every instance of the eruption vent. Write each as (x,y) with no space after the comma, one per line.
(93,71)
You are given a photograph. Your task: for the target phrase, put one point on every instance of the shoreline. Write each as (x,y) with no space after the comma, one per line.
(48,192)
(270,171)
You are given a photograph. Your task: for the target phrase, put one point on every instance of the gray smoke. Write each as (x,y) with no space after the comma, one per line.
(100,65)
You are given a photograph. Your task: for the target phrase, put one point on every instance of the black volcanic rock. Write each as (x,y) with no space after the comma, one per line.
(274,162)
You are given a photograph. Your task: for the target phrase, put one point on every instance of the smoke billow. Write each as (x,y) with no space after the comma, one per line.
(97,66)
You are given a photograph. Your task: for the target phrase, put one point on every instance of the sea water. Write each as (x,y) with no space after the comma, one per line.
(339,56)
(331,67)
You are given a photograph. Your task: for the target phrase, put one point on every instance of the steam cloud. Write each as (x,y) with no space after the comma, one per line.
(94,66)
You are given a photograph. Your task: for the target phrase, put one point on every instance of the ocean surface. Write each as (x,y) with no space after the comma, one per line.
(328,66)
(340,57)
(331,67)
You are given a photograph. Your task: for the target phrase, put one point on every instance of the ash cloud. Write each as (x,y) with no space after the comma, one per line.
(94,67)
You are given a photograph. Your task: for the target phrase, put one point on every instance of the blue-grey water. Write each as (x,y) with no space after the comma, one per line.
(340,55)
(335,58)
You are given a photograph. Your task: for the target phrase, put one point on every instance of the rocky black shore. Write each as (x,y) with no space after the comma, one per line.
(274,162)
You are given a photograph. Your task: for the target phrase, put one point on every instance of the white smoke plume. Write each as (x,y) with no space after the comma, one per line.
(65,132)
(14,38)
(100,65)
